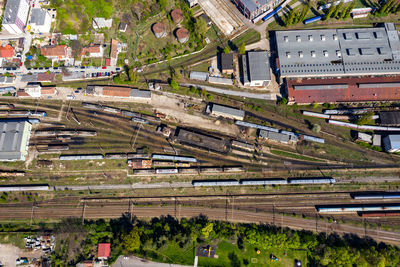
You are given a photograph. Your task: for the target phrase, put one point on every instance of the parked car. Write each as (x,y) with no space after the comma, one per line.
(47,68)
(14,68)
(40,68)
(117,69)
(82,67)
(70,97)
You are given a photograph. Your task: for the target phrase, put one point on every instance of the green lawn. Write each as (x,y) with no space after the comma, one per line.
(293,155)
(173,253)
(230,255)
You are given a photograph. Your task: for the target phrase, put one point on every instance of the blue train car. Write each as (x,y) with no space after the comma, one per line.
(314,19)
(273,12)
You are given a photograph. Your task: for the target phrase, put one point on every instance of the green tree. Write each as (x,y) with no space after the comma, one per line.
(174,83)
(242,48)
(337,10)
(227,50)
(329,12)
(131,241)
(290,17)
(200,27)
(364,118)
(316,128)
(207,230)
(163,3)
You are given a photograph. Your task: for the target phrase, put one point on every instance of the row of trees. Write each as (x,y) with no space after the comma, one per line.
(138,236)
(389,6)
(295,16)
(339,11)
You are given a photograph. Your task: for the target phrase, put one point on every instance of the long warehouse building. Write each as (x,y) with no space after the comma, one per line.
(340,65)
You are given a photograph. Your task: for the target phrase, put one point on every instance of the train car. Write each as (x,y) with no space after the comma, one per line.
(272,13)
(143,171)
(137,156)
(38,113)
(197,183)
(256,126)
(167,171)
(315,114)
(380,214)
(4,112)
(311,20)
(130,113)
(82,157)
(314,139)
(111,109)
(277,181)
(188,170)
(163,163)
(92,106)
(233,169)
(358,208)
(86,133)
(139,120)
(115,156)
(328,180)
(173,157)
(367,196)
(211,170)
(57,147)
(19,188)
(7,106)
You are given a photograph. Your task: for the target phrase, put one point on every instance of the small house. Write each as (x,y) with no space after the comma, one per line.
(226,63)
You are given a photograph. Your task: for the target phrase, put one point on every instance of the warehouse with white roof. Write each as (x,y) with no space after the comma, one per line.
(339,52)
(14,139)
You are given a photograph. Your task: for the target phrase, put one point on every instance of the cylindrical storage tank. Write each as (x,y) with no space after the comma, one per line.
(159,30)
(182,35)
(177,16)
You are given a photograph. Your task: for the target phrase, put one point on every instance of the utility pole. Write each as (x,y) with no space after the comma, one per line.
(83,213)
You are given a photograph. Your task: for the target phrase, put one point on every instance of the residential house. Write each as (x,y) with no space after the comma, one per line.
(122,27)
(114,52)
(99,23)
(6,53)
(103,251)
(40,21)
(55,52)
(92,51)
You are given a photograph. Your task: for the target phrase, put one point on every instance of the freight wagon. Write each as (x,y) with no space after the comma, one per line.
(197,183)
(380,214)
(311,180)
(167,171)
(311,20)
(82,157)
(188,170)
(272,13)
(115,156)
(15,188)
(144,172)
(172,157)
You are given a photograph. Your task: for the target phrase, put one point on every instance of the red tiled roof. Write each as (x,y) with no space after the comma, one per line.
(90,49)
(104,250)
(43,77)
(352,93)
(113,52)
(48,90)
(108,62)
(54,51)
(6,51)
(22,93)
(116,91)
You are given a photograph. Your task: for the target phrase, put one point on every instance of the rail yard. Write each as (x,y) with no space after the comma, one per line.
(129,157)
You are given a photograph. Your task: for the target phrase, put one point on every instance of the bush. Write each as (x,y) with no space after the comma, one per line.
(316,128)
(283,101)
(174,83)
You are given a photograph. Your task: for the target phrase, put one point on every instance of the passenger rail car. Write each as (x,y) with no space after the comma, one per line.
(328,180)
(366,196)
(19,188)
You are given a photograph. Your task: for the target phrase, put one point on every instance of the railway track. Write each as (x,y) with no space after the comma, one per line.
(115,211)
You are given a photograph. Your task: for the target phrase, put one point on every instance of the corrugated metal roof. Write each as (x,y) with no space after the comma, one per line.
(220,80)
(227,110)
(390,118)
(304,53)
(11,139)
(283,138)
(378,85)
(198,75)
(321,87)
(258,66)
(140,93)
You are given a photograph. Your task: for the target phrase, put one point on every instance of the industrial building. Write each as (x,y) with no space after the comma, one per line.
(15,16)
(279,137)
(338,52)
(391,143)
(226,63)
(224,111)
(256,69)
(353,89)
(254,8)
(117,91)
(14,139)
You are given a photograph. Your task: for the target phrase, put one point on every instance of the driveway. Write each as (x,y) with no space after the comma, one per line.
(138,262)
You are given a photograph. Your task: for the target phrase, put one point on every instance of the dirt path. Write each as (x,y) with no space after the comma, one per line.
(175,110)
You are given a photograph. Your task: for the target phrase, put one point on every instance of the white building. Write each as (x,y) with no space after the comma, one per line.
(99,23)
(14,139)
(40,21)
(34,90)
(15,16)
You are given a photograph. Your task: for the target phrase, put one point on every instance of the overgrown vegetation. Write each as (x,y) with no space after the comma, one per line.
(172,241)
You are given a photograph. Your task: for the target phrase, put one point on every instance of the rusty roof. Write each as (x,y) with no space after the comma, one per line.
(54,51)
(158,27)
(114,48)
(177,15)
(182,33)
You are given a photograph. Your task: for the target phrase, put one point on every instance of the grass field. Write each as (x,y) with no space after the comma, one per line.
(230,255)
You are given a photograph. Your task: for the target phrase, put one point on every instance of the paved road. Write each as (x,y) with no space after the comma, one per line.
(269,96)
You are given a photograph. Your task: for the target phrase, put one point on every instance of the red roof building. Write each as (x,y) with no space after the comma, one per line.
(331,90)
(6,51)
(108,62)
(103,250)
(59,51)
